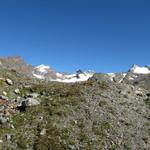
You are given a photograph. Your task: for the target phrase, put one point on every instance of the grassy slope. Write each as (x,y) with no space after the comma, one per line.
(89,115)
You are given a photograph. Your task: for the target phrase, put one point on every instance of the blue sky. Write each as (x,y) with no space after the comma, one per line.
(100,35)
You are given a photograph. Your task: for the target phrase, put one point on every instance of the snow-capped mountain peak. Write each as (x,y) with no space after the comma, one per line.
(45,72)
(77,77)
(140,70)
(134,72)
(42,68)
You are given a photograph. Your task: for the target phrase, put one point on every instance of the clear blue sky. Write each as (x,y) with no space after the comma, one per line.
(100,35)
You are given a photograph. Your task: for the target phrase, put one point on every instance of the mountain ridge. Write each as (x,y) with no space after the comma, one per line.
(45,72)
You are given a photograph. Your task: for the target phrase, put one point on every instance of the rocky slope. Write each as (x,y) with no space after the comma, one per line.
(106,112)
(137,76)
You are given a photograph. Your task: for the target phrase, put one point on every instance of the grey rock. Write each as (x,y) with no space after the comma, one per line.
(9,82)
(71,147)
(4,93)
(43,132)
(3,120)
(17,91)
(124,92)
(31,102)
(8,137)
(2,107)
(33,95)
(12,126)
(1,141)
(3,97)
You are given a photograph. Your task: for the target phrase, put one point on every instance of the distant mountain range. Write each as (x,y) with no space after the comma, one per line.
(44,72)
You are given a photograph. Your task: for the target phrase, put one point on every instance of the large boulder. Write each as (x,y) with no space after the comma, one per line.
(31,102)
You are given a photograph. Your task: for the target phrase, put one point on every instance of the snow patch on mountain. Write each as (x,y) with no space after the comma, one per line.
(70,76)
(38,76)
(76,78)
(42,68)
(59,75)
(140,70)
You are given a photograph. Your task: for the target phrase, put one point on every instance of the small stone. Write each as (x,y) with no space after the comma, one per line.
(71,147)
(12,126)
(4,93)
(43,132)
(125,93)
(8,137)
(139,93)
(17,91)
(41,118)
(18,98)
(31,102)
(7,113)
(3,120)
(1,141)
(2,107)
(75,121)
(33,95)
(9,82)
